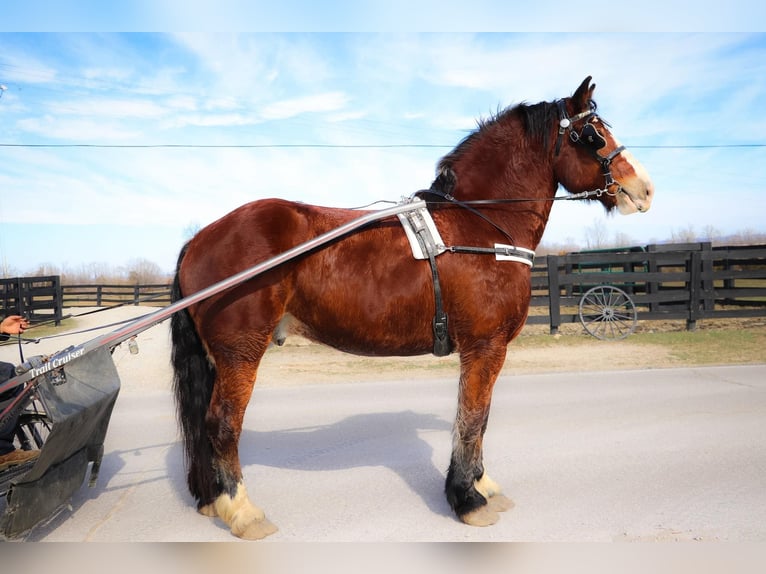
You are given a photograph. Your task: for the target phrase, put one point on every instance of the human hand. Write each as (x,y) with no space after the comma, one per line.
(14,325)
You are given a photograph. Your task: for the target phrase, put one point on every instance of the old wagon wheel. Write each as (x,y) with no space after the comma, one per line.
(608,313)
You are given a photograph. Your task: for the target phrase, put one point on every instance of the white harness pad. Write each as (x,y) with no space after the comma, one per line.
(421,232)
(506,253)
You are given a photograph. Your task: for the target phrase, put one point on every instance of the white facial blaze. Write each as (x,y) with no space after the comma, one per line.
(638,190)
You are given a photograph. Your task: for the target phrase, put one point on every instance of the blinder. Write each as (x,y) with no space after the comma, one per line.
(589,136)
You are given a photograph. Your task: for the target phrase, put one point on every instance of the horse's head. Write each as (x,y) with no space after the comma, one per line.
(589,158)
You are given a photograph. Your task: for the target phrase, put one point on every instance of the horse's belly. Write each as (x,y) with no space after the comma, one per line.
(368,340)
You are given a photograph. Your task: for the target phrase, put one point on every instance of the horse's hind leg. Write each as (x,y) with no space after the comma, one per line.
(231,394)
(475,498)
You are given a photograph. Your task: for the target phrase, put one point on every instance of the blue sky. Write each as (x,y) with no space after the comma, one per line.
(664,93)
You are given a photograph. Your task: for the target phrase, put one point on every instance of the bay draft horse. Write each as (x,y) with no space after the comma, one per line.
(366,294)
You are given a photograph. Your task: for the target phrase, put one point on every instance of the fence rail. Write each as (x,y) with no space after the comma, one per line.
(107,295)
(672,281)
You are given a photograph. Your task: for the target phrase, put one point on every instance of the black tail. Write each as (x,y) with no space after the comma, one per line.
(193,380)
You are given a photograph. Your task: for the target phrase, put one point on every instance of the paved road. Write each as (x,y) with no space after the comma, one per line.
(671,454)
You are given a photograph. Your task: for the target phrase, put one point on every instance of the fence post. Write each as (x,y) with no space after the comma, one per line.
(98,296)
(708,286)
(695,285)
(652,287)
(21,306)
(554,294)
(58,300)
(136,293)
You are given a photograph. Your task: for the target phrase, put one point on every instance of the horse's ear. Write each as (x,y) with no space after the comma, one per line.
(584,94)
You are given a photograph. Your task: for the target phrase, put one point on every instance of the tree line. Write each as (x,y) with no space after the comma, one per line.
(135,272)
(597,236)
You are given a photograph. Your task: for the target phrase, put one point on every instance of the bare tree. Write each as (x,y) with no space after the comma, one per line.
(747,237)
(622,239)
(143,271)
(89,273)
(710,233)
(597,234)
(7,270)
(44,269)
(687,235)
(568,246)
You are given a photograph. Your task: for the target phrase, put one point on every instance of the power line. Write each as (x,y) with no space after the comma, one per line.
(330,146)
(701,146)
(224,146)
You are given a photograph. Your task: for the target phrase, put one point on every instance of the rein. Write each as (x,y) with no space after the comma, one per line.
(582,195)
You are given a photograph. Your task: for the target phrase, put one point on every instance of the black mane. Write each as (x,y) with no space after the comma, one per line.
(536,119)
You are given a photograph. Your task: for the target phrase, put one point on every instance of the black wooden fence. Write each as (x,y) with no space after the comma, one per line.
(671,281)
(666,282)
(107,295)
(43,298)
(37,298)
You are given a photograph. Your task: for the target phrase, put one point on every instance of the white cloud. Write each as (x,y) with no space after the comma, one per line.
(209,120)
(117,109)
(77,130)
(328,102)
(20,67)
(110,74)
(245,62)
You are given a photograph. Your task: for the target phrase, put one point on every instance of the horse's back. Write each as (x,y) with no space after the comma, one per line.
(251,234)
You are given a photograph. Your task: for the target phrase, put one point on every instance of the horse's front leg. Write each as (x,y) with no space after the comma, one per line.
(475,498)
(225,416)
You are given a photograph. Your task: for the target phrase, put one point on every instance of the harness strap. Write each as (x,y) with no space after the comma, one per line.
(442,343)
(501,252)
(439,324)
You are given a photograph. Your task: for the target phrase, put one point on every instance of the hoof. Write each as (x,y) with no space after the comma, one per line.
(482,516)
(256,530)
(244,519)
(496,502)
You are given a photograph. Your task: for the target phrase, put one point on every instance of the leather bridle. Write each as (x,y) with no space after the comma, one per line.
(592,139)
